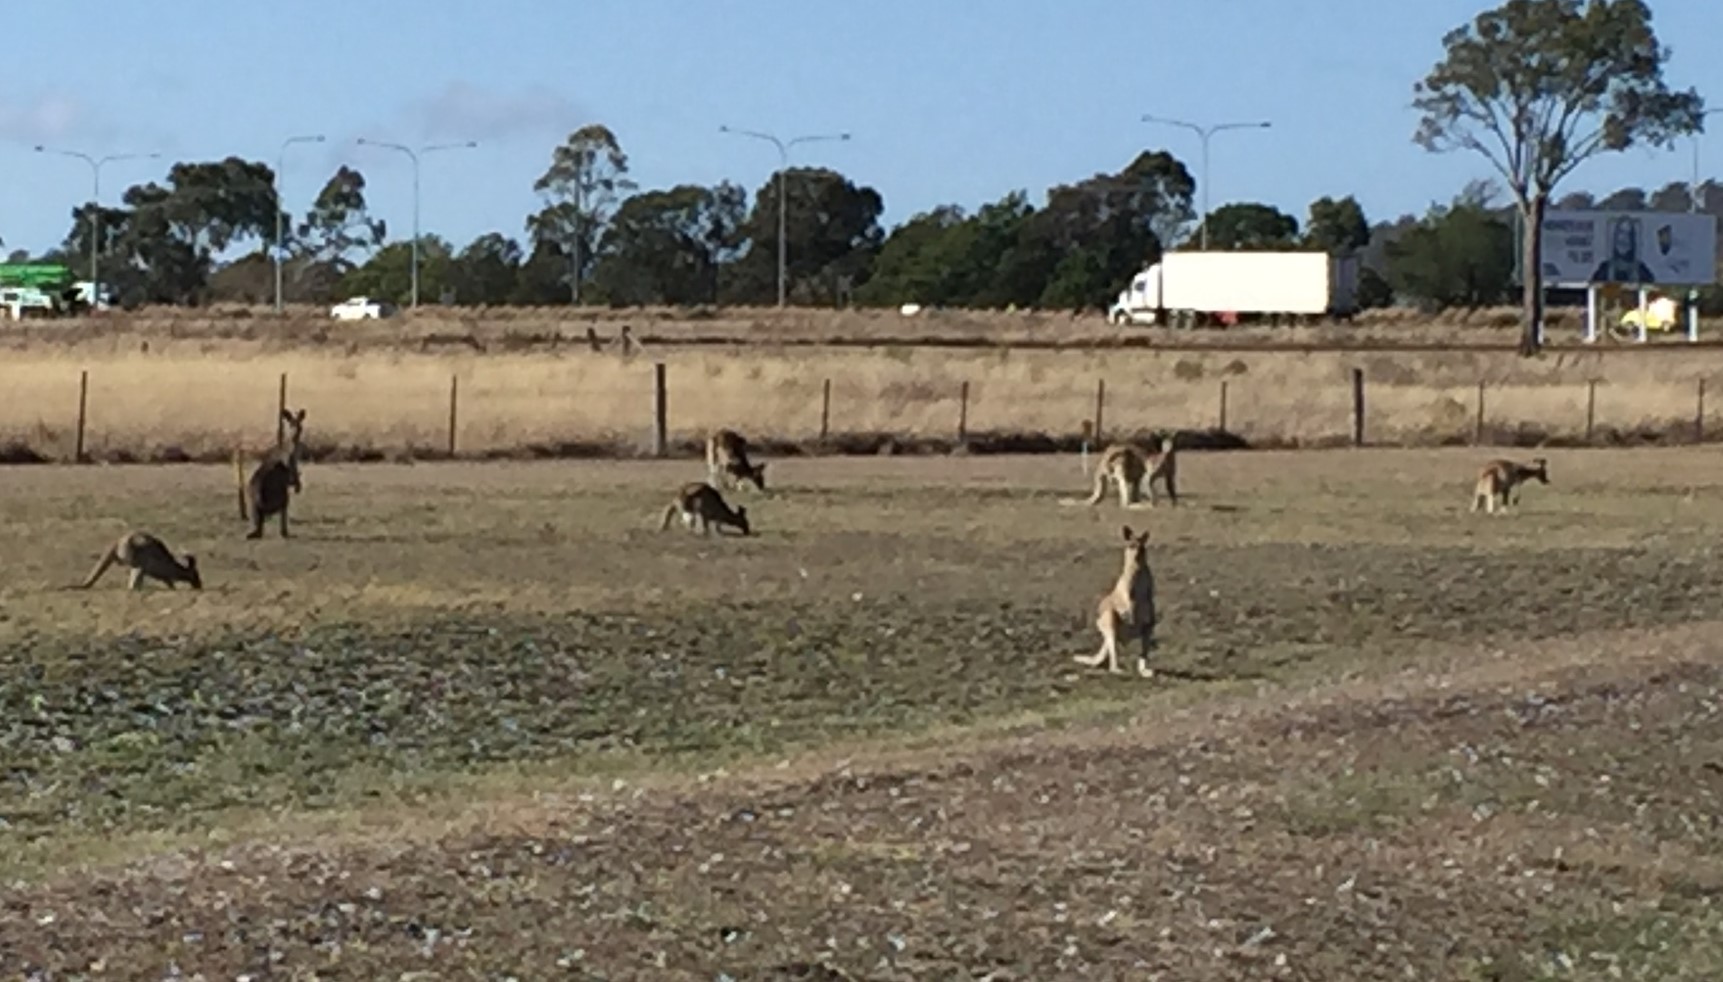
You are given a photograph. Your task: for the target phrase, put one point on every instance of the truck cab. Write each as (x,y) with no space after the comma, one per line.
(1138,303)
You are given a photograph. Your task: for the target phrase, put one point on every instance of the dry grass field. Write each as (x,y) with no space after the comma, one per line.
(488,721)
(516,328)
(166,390)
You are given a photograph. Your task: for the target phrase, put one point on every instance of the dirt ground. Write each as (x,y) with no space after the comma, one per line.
(489,721)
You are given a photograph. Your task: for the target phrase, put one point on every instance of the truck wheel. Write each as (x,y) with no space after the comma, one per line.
(1120,318)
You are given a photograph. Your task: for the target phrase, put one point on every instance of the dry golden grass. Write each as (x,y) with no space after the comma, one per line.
(198,398)
(520,327)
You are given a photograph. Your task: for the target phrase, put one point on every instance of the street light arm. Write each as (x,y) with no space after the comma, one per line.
(1194,128)
(816,138)
(1240,126)
(769,138)
(127,156)
(362,141)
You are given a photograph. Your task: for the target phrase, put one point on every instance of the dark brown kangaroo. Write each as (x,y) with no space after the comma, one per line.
(267,491)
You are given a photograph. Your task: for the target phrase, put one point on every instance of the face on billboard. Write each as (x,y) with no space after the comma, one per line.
(1624,241)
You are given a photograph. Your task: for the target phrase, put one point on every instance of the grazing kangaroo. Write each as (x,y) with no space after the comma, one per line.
(727,462)
(277,473)
(1501,478)
(1131,469)
(701,503)
(1130,607)
(146,555)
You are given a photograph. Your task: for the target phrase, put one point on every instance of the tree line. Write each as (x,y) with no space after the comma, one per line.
(600,239)
(1535,87)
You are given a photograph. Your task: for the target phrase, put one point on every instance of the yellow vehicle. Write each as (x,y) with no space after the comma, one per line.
(1662,314)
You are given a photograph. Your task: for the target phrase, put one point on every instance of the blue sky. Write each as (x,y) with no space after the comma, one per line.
(947,101)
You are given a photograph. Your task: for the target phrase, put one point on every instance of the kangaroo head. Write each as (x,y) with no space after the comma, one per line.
(1541,468)
(192,575)
(757,474)
(295,424)
(295,432)
(742,519)
(1136,548)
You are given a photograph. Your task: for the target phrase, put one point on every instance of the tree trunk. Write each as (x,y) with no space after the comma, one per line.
(1532,274)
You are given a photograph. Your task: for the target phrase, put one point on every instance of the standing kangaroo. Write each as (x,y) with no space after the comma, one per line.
(277,473)
(146,555)
(727,463)
(1130,608)
(700,505)
(1501,478)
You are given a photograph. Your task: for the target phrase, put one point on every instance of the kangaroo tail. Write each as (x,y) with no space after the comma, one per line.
(108,559)
(669,514)
(1100,485)
(239,479)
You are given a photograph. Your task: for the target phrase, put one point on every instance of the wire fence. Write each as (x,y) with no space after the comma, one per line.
(652,409)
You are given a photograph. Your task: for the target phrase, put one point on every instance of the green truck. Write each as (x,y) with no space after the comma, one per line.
(41,290)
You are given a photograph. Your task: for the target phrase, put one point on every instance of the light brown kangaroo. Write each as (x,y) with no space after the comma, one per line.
(146,555)
(700,503)
(1129,608)
(265,493)
(727,462)
(1130,469)
(1501,478)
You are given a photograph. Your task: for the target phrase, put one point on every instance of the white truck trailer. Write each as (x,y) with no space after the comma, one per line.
(1187,288)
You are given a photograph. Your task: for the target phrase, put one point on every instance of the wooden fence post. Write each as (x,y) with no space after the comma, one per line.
(1100,405)
(1699,416)
(281,411)
(83,413)
(1358,407)
(963,412)
(1590,408)
(1478,424)
(454,402)
(826,410)
(660,411)
(1223,405)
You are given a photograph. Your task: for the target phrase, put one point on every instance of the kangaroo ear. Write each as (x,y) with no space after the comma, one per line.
(1129,535)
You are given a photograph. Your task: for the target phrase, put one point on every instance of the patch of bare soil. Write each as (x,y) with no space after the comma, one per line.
(1550,812)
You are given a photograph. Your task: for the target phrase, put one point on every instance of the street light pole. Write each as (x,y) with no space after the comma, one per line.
(1693,195)
(96,203)
(1693,207)
(414,157)
(281,161)
(1205,132)
(783,165)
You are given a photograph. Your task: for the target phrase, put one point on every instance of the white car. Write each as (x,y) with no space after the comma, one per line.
(361,309)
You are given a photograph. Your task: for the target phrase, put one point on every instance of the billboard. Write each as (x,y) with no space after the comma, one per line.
(1674,248)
